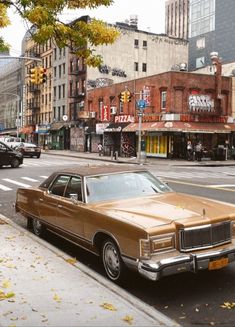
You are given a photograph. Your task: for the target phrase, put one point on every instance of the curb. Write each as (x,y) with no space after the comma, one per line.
(131,299)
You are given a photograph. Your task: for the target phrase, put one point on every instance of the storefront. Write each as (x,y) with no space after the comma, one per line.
(59,136)
(169,139)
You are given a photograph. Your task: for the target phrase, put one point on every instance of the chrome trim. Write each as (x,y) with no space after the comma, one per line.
(209,246)
(154,270)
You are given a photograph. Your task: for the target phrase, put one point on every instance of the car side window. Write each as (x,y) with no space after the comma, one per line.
(74,188)
(2,147)
(59,185)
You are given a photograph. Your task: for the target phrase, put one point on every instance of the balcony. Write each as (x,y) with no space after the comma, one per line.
(77,71)
(76,94)
(35,105)
(33,88)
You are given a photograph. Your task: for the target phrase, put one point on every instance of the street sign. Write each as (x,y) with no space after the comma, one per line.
(141,104)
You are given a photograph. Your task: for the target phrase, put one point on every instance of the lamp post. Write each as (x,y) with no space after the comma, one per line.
(141,104)
(17,109)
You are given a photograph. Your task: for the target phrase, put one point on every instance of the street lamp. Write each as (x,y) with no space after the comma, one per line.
(17,110)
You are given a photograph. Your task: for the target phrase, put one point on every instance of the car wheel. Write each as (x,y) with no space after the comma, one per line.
(15,163)
(114,266)
(38,156)
(37,227)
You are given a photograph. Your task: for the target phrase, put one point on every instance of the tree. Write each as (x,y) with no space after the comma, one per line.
(81,35)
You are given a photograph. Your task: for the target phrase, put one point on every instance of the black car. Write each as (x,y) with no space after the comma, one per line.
(9,157)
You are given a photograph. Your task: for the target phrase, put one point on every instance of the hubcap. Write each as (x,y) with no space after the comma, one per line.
(111,261)
(37,226)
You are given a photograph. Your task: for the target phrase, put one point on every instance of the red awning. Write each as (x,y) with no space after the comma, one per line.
(189,127)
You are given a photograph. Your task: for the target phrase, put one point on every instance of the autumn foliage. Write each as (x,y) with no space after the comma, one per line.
(82,35)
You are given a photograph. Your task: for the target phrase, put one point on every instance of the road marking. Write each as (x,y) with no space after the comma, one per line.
(30,179)
(197,185)
(44,176)
(5,188)
(16,183)
(222,185)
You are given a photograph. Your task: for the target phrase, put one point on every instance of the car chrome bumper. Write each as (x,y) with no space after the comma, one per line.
(182,263)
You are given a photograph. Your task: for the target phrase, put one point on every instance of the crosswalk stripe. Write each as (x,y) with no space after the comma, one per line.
(5,188)
(30,179)
(15,182)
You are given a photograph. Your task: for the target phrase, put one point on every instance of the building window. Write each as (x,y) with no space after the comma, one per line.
(59,91)
(63,90)
(144,44)
(63,68)
(59,71)
(55,54)
(163,100)
(54,93)
(136,43)
(63,110)
(54,72)
(200,62)
(201,43)
(144,67)
(136,66)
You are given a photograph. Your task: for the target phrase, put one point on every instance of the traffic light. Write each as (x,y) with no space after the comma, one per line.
(123,96)
(42,77)
(34,75)
(128,96)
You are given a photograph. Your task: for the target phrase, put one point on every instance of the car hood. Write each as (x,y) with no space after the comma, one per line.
(157,210)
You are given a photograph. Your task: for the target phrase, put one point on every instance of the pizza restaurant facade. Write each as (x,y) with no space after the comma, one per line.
(177,107)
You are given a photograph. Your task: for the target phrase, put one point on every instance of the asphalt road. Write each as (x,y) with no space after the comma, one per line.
(190,299)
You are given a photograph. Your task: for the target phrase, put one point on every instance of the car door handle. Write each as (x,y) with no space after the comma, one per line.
(40,199)
(60,206)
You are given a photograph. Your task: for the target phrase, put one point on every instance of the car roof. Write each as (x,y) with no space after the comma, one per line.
(90,170)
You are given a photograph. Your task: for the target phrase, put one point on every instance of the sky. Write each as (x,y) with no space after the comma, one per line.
(150,14)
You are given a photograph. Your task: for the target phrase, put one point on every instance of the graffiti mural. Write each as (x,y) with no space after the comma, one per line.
(127,144)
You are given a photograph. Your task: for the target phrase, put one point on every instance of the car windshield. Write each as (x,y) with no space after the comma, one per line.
(123,186)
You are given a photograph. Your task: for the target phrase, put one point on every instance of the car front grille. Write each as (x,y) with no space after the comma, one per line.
(205,236)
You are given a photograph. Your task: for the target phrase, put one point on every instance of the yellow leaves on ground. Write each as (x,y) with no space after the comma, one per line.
(228,305)
(128,319)
(57,298)
(6,284)
(4,295)
(108,306)
(72,261)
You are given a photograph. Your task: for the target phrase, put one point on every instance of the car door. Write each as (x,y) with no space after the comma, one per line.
(71,208)
(4,155)
(49,199)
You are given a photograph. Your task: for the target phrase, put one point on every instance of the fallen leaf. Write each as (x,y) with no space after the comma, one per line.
(128,319)
(56,298)
(6,284)
(4,295)
(108,306)
(228,305)
(72,261)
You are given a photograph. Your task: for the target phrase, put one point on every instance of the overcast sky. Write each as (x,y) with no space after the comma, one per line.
(150,13)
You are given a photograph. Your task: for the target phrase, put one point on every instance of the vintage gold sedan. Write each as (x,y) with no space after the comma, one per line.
(132,219)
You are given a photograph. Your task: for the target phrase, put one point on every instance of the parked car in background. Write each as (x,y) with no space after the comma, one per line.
(28,149)
(9,157)
(131,219)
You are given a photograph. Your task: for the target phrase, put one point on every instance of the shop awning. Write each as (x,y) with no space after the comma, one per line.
(56,126)
(183,127)
(26,129)
(115,127)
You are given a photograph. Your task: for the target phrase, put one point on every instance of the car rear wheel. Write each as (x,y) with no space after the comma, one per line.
(113,264)
(15,163)
(38,156)
(37,227)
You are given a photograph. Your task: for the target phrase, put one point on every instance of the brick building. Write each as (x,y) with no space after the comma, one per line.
(180,106)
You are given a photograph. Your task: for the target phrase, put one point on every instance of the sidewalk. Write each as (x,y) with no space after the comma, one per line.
(134,160)
(42,286)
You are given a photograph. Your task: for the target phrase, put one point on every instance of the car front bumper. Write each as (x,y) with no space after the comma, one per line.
(154,270)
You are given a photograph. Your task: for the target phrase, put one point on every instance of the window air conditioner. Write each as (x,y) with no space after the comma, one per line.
(92,114)
(113,110)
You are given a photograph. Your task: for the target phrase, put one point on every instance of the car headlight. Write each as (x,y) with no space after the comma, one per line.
(161,243)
